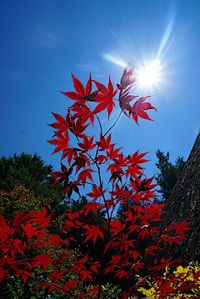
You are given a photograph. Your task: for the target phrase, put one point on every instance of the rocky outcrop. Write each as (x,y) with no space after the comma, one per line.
(184,204)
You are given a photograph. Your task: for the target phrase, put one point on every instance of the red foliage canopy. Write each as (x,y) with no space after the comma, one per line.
(119,247)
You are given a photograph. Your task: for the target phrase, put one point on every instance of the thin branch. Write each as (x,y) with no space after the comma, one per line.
(113,124)
(100,125)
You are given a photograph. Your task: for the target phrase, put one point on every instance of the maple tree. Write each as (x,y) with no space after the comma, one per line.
(116,249)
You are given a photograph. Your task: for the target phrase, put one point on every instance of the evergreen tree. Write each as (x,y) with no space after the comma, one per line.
(26,174)
(168,172)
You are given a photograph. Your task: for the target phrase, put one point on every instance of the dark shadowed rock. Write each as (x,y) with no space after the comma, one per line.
(184,204)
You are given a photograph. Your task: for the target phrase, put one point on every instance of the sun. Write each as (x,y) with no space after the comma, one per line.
(149,75)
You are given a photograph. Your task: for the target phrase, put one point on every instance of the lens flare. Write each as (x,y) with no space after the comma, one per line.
(115,60)
(152,69)
(165,41)
(149,75)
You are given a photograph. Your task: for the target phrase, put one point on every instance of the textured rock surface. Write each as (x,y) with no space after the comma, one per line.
(184,203)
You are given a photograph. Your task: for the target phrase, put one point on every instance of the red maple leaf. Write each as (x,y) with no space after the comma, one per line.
(137,158)
(82,110)
(81,92)
(81,161)
(117,227)
(87,144)
(93,232)
(61,125)
(70,153)
(72,221)
(105,97)
(32,231)
(124,101)
(85,175)
(56,275)
(70,187)
(5,230)
(24,274)
(72,284)
(134,168)
(44,260)
(19,218)
(119,162)
(151,250)
(96,192)
(100,159)
(91,207)
(62,176)
(95,267)
(112,152)
(104,143)
(61,142)
(181,228)
(162,264)
(120,274)
(139,108)
(127,79)
(40,217)
(78,127)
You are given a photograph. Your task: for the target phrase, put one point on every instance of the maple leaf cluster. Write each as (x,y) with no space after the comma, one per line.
(139,107)
(23,235)
(111,248)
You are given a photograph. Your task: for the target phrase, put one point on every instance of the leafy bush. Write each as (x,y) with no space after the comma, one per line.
(183,282)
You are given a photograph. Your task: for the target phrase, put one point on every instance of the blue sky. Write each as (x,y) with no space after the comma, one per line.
(42,42)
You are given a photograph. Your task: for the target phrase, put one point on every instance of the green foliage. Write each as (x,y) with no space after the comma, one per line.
(23,169)
(168,172)
(25,183)
(18,199)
